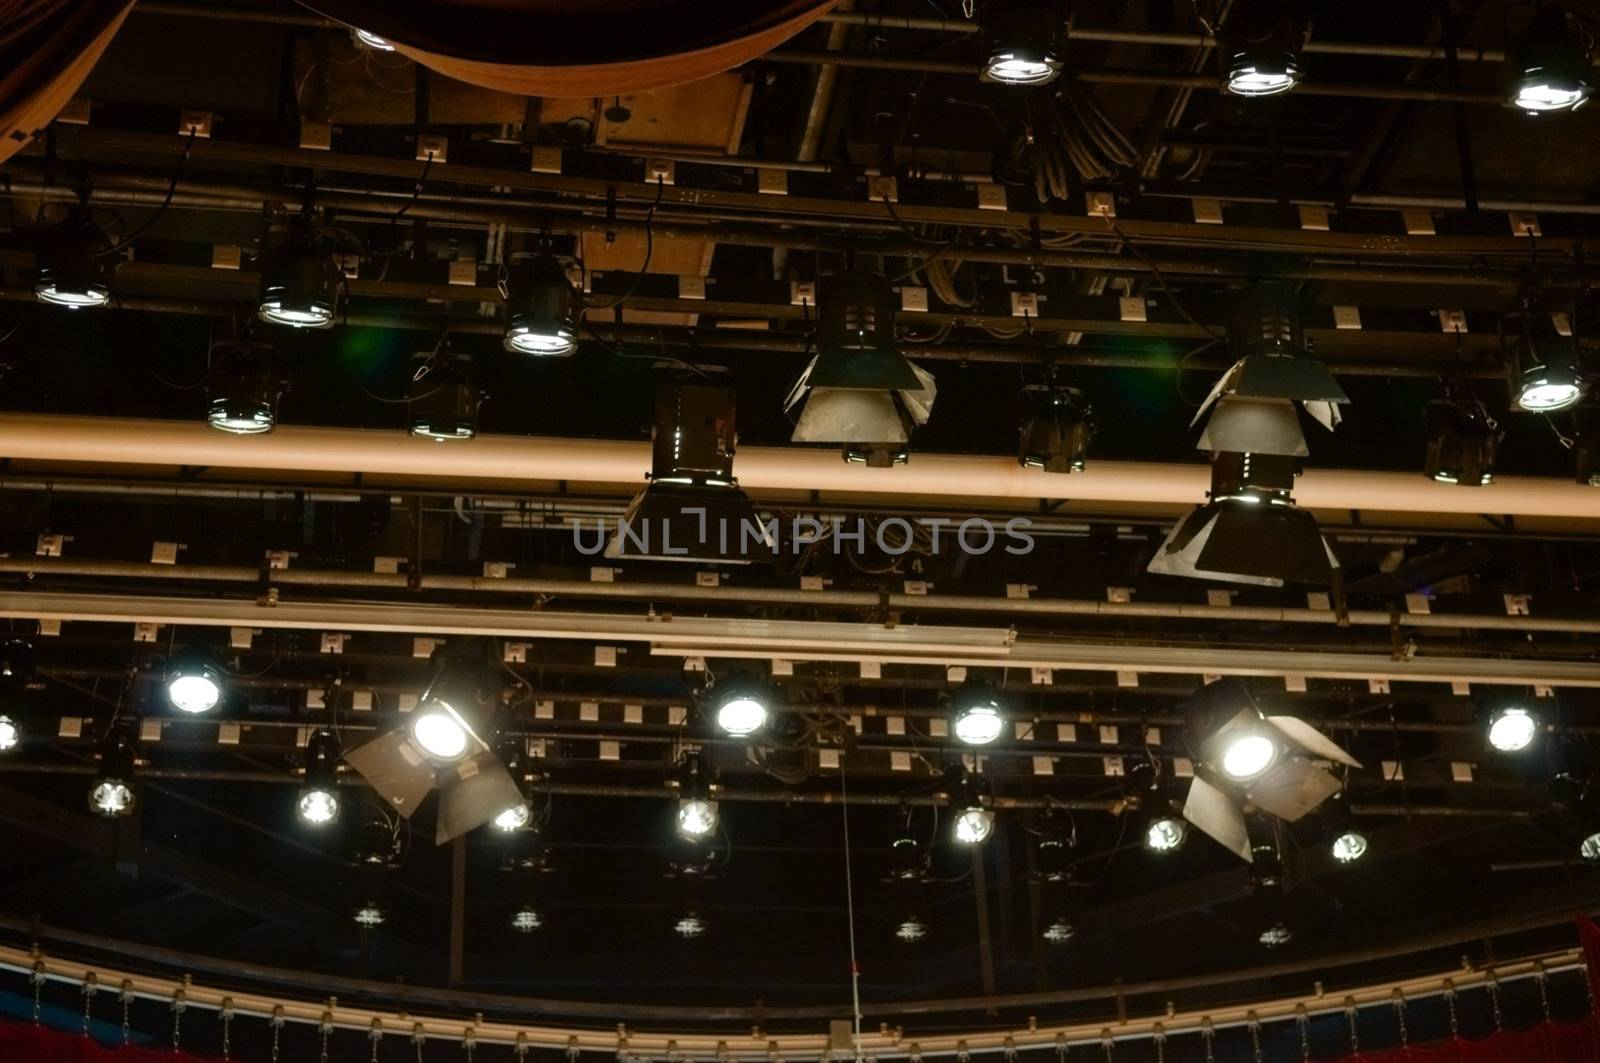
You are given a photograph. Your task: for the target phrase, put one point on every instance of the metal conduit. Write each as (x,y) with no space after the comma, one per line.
(726,595)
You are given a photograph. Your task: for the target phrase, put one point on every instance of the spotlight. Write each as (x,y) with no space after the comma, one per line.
(1243,757)
(697,813)
(1164,830)
(1548,68)
(1512,728)
(194,680)
(908,860)
(111,794)
(1023,38)
(1588,443)
(977,710)
(10,734)
(1463,439)
(1055,435)
(75,263)
(1349,847)
(690,925)
(319,794)
(18,659)
(442,399)
(1589,848)
(1058,931)
(445,745)
(527,918)
(243,389)
(379,842)
(1250,531)
(693,509)
(911,930)
(859,390)
(1543,366)
(694,857)
(299,280)
(1267,887)
(1349,842)
(368,39)
(369,915)
(541,306)
(515,818)
(1052,857)
(1260,47)
(970,798)
(740,704)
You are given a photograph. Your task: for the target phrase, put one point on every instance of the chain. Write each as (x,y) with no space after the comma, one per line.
(1492,981)
(1107,1045)
(1159,1038)
(1303,1021)
(91,986)
(1255,1036)
(37,978)
(418,1039)
(1350,1017)
(1399,1000)
(374,1035)
(1208,1035)
(469,1041)
(277,1029)
(1544,991)
(226,1015)
(179,1005)
(325,1028)
(126,997)
(1061,1048)
(522,1046)
(1450,1005)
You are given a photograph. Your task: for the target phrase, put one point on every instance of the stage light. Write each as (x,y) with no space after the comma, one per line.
(1463,439)
(1548,67)
(1058,931)
(442,398)
(75,264)
(10,734)
(300,281)
(690,925)
(1055,436)
(697,813)
(515,818)
(243,389)
(1244,758)
(970,798)
(319,793)
(859,391)
(195,680)
(369,915)
(1589,848)
(739,703)
(1512,728)
(541,306)
(445,746)
(1349,842)
(1164,830)
(911,930)
(368,39)
(976,707)
(1023,41)
(526,919)
(1260,46)
(1250,531)
(1275,935)
(1349,847)
(908,859)
(692,509)
(18,661)
(1544,370)
(111,793)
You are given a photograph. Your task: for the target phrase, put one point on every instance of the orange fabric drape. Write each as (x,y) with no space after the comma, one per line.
(600,48)
(47,48)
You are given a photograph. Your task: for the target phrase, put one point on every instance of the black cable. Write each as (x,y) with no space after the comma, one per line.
(1161,282)
(649,250)
(172,190)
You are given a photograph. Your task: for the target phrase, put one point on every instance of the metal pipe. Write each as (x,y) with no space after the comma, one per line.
(515,459)
(48,567)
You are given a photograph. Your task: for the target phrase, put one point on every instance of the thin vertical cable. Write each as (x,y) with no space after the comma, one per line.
(850,912)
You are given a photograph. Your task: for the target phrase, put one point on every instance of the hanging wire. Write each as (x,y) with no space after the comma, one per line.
(1107,1045)
(325,1028)
(126,997)
(91,986)
(179,1006)
(1492,983)
(850,913)
(1450,1006)
(1398,999)
(1159,1038)
(1544,990)
(419,1038)
(227,1027)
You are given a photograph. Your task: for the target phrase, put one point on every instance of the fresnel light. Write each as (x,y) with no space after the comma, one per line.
(1260,47)
(1544,366)
(300,280)
(697,812)
(244,388)
(970,801)
(318,804)
(1549,66)
(1022,40)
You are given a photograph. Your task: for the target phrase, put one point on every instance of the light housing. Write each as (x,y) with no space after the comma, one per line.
(741,704)
(1022,41)
(1463,439)
(970,800)
(1056,434)
(300,281)
(693,509)
(370,914)
(10,734)
(195,680)
(977,714)
(911,929)
(690,925)
(1250,531)
(442,399)
(112,794)
(444,745)
(244,388)
(1164,830)
(75,264)
(1223,717)
(1544,368)
(1273,929)
(318,804)
(1549,67)
(697,812)
(527,918)
(541,306)
(1260,47)
(1511,728)
(859,391)
(1347,842)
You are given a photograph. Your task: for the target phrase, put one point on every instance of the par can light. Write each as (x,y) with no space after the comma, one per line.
(1022,40)
(1549,67)
(541,306)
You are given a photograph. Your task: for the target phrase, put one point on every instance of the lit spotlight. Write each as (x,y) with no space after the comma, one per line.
(1589,849)
(970,798)
(369,915)
(10,734)
(739,702)
(1164,832)
(911,930)
(1267,886)
(75,263)
(300,281)
(1463,438)
(1247,756)
(243,389)
(978,719)
(1023,41)
(690,924)
(319,793)
(1543,367)
(526,919)
(111,794)
(541,306)
(1260,46)
(1058,931)
(1349,842)
(194,680)
(515,818)
(368,39)
(1055,435)
(442,399)
(1349,847)
(1512,728)
(1548,68)
(697,813)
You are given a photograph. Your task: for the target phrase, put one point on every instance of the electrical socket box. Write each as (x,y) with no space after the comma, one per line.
(1452,320)
(165,553)
(691,287)
(1524,223)
(431,147)
(1314,217)
(884,189)
(661,171)
(1025,304)
(1100,204)
(349,265)
(1347,317)
(226,256)
(544,160)
(1207,211)
(316,136)
(463,272)
(1418,222)
(1133,308)
(992,197)
(772,182)
(914,299)
(195,123)
(802,293)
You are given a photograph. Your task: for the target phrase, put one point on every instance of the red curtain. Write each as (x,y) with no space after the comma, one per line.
(1550,1042)
(20,1043)
(47,48)
(578,47)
